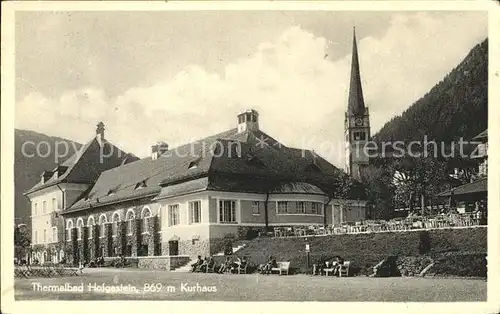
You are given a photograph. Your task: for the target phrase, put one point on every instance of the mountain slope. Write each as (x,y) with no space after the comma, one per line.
(455,107)
(29,164)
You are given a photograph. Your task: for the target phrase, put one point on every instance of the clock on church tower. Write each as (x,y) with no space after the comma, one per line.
(358,122)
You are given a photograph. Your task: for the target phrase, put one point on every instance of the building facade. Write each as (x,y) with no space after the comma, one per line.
(189,200)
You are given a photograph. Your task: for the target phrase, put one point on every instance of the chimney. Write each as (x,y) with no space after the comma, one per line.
(99,133)
(158,149)
(248,120)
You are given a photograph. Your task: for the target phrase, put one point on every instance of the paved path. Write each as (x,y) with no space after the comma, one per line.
(189,286)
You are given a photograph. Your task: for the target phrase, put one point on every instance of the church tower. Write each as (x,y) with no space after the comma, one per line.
(357,121)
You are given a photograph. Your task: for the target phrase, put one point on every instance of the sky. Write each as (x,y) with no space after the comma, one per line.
(180,76)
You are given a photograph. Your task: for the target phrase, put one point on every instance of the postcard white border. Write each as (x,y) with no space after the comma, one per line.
(7,175)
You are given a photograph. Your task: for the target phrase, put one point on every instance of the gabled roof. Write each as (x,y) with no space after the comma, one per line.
(223,153)
(482,136)
(87,164)
(478,186)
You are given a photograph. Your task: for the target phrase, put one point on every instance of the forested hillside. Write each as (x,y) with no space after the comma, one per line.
(455,107)
(29,165)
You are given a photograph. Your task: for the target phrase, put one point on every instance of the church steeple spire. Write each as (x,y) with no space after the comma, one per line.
(357,121)
(356,103)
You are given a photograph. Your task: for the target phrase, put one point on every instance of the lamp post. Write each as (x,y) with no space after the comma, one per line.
(308,251)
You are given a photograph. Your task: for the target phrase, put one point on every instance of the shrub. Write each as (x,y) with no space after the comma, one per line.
(462,265)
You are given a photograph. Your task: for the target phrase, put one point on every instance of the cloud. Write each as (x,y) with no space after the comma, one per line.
(300,95)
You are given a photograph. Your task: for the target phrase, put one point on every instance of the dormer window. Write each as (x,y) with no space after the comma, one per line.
(140,185)
(46,175)
(111,192)
(253,160)
(194,164)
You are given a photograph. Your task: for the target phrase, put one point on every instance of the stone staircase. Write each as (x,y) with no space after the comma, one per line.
(236,247)
(187,267)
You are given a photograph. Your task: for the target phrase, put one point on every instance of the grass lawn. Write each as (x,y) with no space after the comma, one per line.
(253,287)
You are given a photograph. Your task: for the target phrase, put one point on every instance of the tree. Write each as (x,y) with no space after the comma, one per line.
(22,240)
(419,178)
(380,190)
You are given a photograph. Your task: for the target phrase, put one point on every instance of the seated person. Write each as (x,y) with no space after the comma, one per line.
(100,261)
(322,265)
(339,261)
(210,263)
(203,267)
(226,265)
(270,265)
(243,262)
(197,264)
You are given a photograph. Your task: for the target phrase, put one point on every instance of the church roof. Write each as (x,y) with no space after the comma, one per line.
(356,103)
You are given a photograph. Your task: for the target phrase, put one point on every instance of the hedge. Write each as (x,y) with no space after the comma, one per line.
(365,250)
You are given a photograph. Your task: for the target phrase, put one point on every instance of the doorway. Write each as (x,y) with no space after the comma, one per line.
(173,248)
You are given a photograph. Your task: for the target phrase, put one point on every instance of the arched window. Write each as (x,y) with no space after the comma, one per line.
(145,215)
(54,234)
(79,228)
(130,217)
(69,226)
(115,220)
(90,225)
(102,224)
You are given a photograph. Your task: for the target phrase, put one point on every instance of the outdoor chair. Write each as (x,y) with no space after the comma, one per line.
(283,267)
(344,269)
(210,269)
(242,269)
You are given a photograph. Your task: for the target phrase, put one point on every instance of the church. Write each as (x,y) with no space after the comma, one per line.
(188,200)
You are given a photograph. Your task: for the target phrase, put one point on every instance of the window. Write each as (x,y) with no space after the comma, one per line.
(44,235)
(227,211)
(44,207)
(195,212)
(90,225)
(69,227)
(359,136)
(35,237)
(114,226)
(130,220)
(282,207)
(54,204)
(146,214)
(301,207)
(79,228)
(102,225)
(256,207)
(314,208)
(173,215)
(54,234)
(35,210)
(317,208)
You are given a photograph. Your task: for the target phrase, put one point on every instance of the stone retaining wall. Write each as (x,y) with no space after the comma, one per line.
(162,262)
